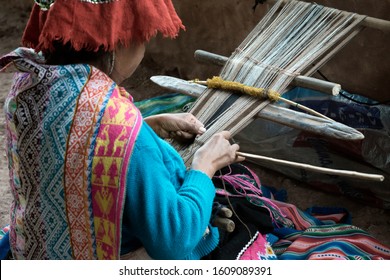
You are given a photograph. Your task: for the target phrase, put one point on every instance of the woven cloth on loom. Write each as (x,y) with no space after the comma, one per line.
(287,42)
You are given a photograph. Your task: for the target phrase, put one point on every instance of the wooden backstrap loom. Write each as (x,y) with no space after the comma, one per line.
(293,40)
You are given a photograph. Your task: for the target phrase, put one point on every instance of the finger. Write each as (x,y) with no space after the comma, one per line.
(171,134)
(192,119)
(191,125)
(199,126)
(226,134)
(236,148)
(185,134)
(224,223)
(201,130)
(226,212)
(239,159)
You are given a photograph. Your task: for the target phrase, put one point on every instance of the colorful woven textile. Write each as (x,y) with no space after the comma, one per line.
(259,248)
(330,242)
(317,233)
(70,132)
(323,233)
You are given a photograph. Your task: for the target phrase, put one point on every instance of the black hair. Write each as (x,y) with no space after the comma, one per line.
(65,54)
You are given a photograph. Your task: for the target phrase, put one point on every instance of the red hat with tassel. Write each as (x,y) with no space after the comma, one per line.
(98,24)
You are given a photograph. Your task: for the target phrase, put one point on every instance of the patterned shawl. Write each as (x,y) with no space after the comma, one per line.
(70,135)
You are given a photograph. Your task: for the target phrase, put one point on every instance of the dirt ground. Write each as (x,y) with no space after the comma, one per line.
(375,221)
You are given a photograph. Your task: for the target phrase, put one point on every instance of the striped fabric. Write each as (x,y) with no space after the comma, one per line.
(323,234)
(329,242)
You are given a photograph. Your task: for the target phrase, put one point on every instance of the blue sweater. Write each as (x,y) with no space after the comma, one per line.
(167,207)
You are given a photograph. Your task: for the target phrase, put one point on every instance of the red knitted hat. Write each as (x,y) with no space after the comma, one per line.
(94,24)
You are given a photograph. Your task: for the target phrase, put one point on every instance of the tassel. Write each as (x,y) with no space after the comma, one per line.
(249,187)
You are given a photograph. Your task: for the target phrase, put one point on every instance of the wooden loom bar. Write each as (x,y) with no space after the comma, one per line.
(376,23)
(301,81)
(286,117)
(271,112)
(370,22)
(330,171)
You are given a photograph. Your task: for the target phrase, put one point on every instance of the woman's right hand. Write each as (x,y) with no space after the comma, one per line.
(215,154)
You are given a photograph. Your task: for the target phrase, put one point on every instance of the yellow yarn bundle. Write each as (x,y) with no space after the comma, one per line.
(218,83)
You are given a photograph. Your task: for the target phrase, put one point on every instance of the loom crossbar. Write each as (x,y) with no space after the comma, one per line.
(299,81)
(281,115)
(370,22)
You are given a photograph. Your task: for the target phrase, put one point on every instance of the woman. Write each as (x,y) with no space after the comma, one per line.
(90,178)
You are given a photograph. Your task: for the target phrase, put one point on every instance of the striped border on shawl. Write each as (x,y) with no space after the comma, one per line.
(77,192)
(136,114)
(112,150)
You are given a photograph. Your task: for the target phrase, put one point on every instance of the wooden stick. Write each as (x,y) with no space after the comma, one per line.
(376,23)
(301,81)
(304,108)
(371,22)
(281,115)
(317,84)
(346,173)
(292,103)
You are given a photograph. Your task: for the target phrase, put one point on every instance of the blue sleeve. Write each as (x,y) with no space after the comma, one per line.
(4,243)
(168,207)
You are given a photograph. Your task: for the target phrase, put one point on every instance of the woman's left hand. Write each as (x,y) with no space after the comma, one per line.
(181,126)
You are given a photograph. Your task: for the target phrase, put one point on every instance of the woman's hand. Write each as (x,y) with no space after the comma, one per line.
(181,126)
(215,154)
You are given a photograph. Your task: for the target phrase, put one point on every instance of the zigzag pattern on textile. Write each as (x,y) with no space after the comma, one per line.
(43,118)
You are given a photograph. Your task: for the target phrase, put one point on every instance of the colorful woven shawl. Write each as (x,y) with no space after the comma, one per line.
(70,135)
